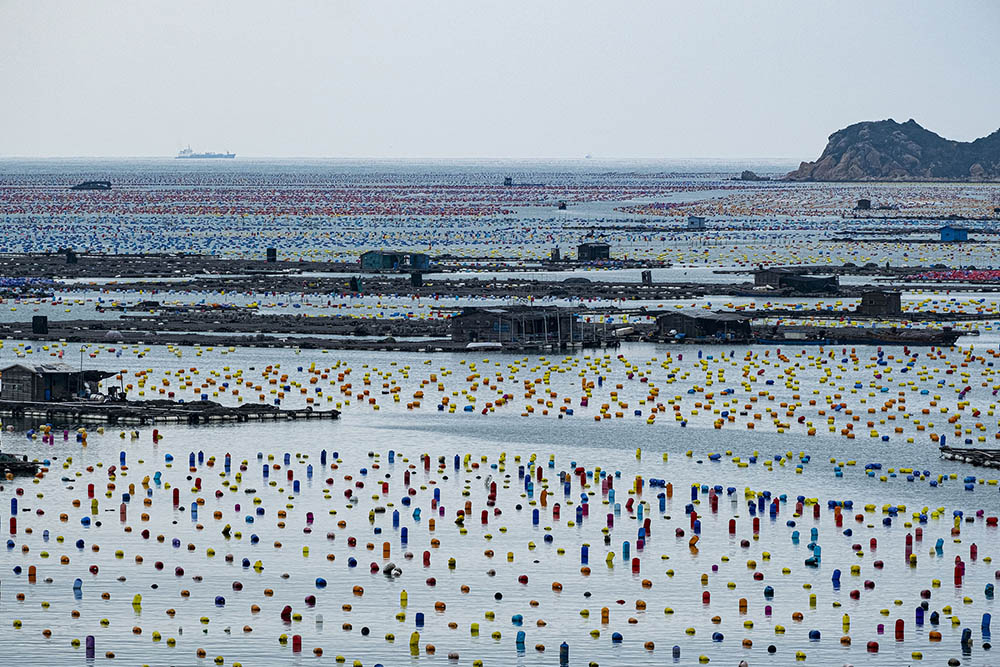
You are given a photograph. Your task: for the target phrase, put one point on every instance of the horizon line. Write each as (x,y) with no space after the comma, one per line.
(396,157)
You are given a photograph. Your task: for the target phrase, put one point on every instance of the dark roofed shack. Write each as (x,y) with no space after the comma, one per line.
(382,260)
(390,260)
(769,277)
(782,277)
(523,326)
(593,251)
(811,284)
(704,325)
(47,382)
(879,303)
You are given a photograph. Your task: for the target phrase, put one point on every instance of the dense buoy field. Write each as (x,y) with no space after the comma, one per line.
(217,554)
(336,209)
(647,504)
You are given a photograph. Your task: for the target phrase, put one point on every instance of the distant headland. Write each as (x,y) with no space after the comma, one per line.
(889,151)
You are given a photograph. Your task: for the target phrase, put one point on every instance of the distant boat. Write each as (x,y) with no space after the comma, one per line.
(92,185)
(189,154)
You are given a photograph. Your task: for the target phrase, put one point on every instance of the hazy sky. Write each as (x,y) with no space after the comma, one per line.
(532,78)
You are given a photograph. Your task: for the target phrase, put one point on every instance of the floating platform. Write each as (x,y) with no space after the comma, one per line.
(154,412)
(792,336)
(92,185)
(987,458)
(12,465)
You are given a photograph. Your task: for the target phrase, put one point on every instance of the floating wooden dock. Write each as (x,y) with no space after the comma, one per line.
(11,465)
(988,458)
(154,412)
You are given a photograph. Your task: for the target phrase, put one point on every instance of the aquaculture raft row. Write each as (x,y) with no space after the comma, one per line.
(153,412)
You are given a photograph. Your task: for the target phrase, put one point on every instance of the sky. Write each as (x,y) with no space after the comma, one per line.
(482,79)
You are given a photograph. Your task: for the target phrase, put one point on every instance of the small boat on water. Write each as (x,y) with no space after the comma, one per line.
(92,185)
(9,463)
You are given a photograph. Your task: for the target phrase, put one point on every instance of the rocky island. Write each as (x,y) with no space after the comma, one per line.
(889,151)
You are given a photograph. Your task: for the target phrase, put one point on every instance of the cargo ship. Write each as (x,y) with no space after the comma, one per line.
(189,154)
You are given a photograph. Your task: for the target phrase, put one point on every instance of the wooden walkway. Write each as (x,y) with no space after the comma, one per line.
(153,412)
(988,458)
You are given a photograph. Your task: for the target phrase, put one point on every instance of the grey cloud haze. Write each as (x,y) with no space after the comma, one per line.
(487,79)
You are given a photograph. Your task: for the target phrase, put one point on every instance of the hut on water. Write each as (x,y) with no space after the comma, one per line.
(952,234)
(784,277)
(704,325)
(522,325)
(880,303)
(389,260)
(593,251)
(47,382)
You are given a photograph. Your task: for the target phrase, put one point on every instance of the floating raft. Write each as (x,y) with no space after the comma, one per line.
(855,336)
(989,458)
(154,412)
(12,465)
